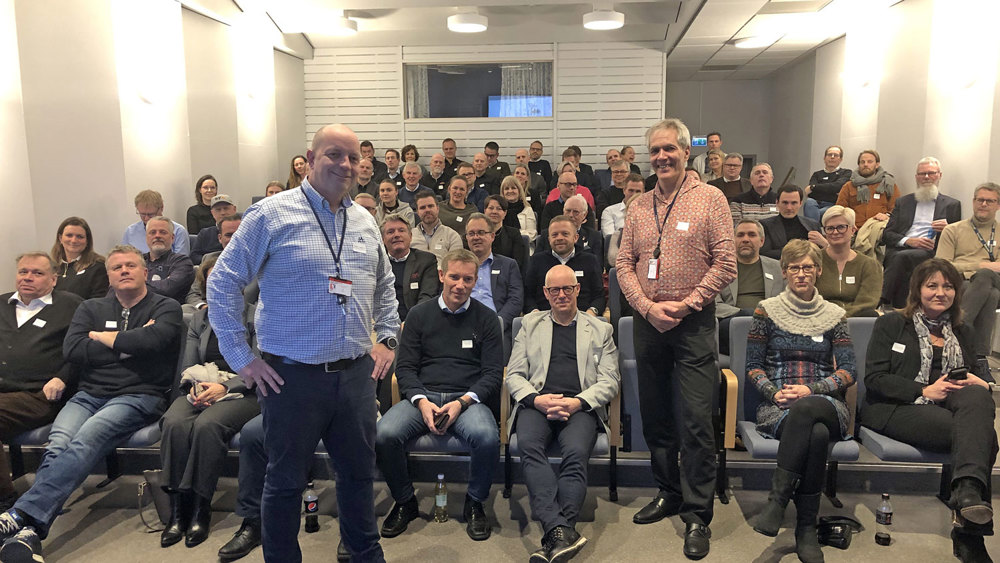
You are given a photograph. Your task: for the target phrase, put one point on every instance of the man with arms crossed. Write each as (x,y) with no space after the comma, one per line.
(324,278)
(676,255)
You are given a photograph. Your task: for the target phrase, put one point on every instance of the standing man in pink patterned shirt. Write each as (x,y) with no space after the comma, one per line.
(677,253)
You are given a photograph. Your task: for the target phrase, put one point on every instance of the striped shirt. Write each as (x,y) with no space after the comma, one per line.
(281,244)
(697,252)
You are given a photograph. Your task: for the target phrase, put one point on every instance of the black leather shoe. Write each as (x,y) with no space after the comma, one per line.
(565,544)
(399,517)
(967,499)
(244,541)
(969,548)
(180,517)
(696,541)
(197,532)
(477,525)
(658,509)
(342,553)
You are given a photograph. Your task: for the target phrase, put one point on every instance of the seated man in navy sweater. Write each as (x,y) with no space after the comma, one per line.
(562,235)
(168,273)
(126,346)
(34,375)
(449,364)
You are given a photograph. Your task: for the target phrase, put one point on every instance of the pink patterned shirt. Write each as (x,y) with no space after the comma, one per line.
(697,251)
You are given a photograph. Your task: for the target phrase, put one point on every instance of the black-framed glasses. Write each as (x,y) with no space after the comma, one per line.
(830,229)
(471,234)
(984,201)
(565,289)
(804,268)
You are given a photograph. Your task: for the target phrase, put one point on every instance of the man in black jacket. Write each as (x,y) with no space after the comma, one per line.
(449,366)
(415,270)
(34,375)
(562,236)
(126,346)
(168,273)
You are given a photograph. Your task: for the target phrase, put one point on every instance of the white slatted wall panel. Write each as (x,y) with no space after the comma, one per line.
(606,96)
(362,88)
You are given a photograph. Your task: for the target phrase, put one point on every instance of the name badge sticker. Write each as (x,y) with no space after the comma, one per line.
(818,338)
(80,272)
(414,285)
(360,247)
(768,276)
(848,279)
(495,272)
(527,197)
(460,219)
(773,209)
(466,344)
(578,273)
(683,225)
(899,348)
(340,287)
(39,323)
(437,246)
(877,196)
(111,324)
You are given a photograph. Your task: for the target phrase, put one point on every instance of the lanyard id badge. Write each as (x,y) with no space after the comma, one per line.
(340,286)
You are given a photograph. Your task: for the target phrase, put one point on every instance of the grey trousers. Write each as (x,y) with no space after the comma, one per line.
(979,305)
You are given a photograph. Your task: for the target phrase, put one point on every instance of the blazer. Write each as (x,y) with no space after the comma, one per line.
(720,182)
(774,283)
(774,234)
(893,364)
(420,278)
(507,288)
(901,218)
(596,362)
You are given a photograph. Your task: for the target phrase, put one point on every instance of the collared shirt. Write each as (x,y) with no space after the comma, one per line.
(281,243)
(923,216)
(697,252)
(441,240)
(483,291)
(135,235)
(447,311)
(613,218)
(568,257)
(24,311)
(403,259)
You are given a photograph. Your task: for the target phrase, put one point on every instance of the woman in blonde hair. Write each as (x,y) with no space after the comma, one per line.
(520,215)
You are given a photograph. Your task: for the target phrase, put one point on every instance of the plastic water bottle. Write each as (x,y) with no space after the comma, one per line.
(311,502)
(440,500)
(883,521)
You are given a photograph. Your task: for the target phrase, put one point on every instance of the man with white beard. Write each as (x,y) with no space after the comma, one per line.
(435,178)
(914,226)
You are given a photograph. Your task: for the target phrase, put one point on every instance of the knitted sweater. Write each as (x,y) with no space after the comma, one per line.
(857,289)
(960,245)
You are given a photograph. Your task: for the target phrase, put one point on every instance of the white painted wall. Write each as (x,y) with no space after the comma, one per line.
(790,105)
(290,116)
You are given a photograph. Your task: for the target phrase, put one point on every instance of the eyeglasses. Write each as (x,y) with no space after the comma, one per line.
(146,215)
(835,229)
(566,289)
(928,174)
(984,201)
(473,234)
(737,165)
(493,155)
(805,269)
(567,184)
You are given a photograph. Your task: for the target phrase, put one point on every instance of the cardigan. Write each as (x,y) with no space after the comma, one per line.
(857,289)
(88,283)
(32,354)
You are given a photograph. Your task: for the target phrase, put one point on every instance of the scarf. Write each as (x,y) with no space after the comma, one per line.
(951,356)
(884,180)
(806,318)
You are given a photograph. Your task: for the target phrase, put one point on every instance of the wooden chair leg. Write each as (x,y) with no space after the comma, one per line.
(831,484)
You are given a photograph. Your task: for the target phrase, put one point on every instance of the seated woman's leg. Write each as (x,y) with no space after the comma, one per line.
(973,451)
(212,431)
(175,444)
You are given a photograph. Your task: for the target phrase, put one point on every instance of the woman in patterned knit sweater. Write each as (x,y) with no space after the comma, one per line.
(800,359)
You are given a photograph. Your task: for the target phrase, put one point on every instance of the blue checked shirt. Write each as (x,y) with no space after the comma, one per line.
(280,243)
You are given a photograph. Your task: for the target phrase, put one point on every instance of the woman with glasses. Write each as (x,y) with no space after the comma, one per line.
(199,215)
(799,357)
(851,280)
(926,388)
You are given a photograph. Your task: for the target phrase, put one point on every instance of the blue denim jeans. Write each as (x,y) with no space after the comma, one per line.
(476,426)
(814,209)
(84,432)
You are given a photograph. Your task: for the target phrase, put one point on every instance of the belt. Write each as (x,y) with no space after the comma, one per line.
(328,367)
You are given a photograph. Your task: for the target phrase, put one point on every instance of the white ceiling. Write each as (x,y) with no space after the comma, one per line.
(697,35)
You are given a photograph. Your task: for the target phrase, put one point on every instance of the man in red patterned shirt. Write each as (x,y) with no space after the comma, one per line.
(676,254)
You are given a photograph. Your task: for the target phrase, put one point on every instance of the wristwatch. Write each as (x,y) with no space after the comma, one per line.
(390,342)
(465,404)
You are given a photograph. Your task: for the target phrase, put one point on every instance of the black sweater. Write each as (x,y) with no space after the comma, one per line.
(826,185)
(88,283)
(589,276)
(144,358)
(445,353)
(32,355)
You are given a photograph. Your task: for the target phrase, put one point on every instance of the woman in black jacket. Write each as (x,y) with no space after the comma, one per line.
(914,394)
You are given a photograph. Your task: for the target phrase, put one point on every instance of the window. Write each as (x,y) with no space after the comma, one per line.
(479,90)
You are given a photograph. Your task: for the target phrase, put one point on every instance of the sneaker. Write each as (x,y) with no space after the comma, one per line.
(23,547)
(10,523)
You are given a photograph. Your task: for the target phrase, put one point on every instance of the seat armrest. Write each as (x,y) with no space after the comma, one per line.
(505,407)
(730,388)
(395,390)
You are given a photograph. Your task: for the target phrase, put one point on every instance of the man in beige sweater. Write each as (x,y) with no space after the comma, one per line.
(971,246)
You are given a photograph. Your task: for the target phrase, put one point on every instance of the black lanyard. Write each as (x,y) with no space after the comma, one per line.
(659,225)
(343,231)
(982,241)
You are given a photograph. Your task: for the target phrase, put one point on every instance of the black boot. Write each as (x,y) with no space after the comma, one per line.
(783,485)
(244,541)
(967,499)
(806,542)
(969,548)
(180,517)
(200,522)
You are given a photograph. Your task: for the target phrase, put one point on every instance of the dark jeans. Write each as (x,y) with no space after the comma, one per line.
(555,498)
(961,425)
(253,468)
(899,264)
(21,411)
(805,435)
(979,306)
(195,441)
(678,379)
(338,408)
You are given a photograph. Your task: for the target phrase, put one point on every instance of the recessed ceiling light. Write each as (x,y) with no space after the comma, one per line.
(603,20)
(756,41)
(468,22)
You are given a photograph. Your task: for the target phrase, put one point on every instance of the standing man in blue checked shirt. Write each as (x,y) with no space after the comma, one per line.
(324,277)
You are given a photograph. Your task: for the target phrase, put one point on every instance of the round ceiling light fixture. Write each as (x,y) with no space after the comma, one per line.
(467,22)
(603,20)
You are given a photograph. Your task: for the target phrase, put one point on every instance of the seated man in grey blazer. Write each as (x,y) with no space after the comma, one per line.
(415,270)
(758,277)
(563,372)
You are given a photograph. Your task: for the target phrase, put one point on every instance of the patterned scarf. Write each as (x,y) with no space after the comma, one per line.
(951,355)
(884,180)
